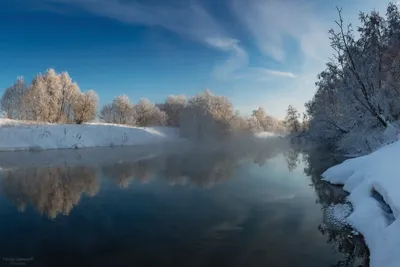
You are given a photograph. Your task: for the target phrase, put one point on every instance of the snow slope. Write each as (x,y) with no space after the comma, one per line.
(16,135)
(364,177)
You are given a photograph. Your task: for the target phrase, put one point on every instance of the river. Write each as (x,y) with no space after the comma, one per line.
(261,205)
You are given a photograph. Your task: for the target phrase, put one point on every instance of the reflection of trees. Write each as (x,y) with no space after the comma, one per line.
(49,190)
(54,190)
(352,247)
(202,169)
(121,173)
(292,158)
(206,170)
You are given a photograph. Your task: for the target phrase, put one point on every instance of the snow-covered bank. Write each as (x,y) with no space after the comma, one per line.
(361,177)
(16,135)
(265,134)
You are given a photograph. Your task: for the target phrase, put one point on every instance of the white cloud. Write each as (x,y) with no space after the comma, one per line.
(237,60)
(237,65)
(277,73)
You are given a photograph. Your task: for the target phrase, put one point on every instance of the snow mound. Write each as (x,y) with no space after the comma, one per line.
(16,135)
(364,177)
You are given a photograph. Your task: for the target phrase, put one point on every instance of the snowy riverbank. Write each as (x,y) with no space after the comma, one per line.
(16,135)
(364,177)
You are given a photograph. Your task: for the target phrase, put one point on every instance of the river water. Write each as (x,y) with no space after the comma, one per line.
(203,206)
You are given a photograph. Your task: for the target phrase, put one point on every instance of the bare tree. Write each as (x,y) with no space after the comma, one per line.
(107,114)
(292,120)
(11,101)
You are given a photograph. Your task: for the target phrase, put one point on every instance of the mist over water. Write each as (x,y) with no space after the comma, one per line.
(244,202)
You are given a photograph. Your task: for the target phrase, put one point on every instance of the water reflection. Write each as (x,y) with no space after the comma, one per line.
(219,206)
(54,190)
(353,249)
(51,191)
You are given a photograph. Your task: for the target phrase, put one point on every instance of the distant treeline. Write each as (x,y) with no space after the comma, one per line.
(54,98)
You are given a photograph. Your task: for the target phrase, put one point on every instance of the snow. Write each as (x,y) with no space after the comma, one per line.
(265,134)
(20,135)
(336,215)
(374,174)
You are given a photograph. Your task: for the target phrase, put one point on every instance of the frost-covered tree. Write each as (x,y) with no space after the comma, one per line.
(69,92)
(207,116)
(120,111)
(43,97)
(147,114)
(260,115)
(11,100)
(268,123)
(292,120)
(173,106)
(55,98)
(107,114)
(84,106)
(358,93)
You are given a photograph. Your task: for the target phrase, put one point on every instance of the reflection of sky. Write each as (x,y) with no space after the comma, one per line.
(280,207)
(262,216)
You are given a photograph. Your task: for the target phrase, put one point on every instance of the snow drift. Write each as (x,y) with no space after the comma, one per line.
(16,135)
(364,177)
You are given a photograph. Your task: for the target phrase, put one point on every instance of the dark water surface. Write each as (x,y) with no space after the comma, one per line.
(149,207)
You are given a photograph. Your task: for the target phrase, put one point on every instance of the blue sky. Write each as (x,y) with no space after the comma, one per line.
(257,52)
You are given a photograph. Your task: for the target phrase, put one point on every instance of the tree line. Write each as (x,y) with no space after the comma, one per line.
(54,98)
(356,107)
(51,97)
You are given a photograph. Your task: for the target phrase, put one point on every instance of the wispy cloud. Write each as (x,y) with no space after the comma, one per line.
(272,24)
(275,73)
(237,65)
(238,57)
(187,18)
